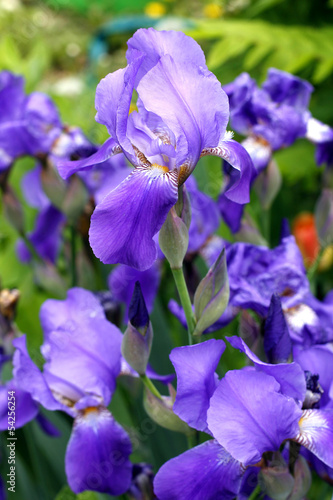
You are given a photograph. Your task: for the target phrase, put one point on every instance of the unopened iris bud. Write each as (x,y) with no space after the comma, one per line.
(268,184)
(302,476)
(161,412)
(70,198)
(212,295)
(138,337)
(276,481)
(13,209)
(249,232)
(277,342)
(48,278)
(53,185)
(174,237)
(324,218)
(183,206)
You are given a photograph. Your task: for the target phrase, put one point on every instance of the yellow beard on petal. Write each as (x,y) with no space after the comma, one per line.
(160,167)
(90,409)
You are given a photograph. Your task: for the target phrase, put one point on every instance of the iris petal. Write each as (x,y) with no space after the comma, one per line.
(206,472)
(124,223)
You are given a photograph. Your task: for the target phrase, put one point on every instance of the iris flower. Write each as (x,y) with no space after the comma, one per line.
(182,115)
(248,412)
(82,352)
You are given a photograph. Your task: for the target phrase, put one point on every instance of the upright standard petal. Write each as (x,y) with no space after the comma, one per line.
(81,346)
(97,456)
(123,225)
(191,102)
(206,472)
(79,307)
(113,100)
(248,415)
(288,89)
(155,44)
(196,380)
(290,376)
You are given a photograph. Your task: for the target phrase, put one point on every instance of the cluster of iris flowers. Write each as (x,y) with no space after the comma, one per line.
(267,425)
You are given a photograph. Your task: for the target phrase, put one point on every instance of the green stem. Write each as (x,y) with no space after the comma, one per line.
(255,493)
(191,441)
(150,386)
(73,257)
(185,301)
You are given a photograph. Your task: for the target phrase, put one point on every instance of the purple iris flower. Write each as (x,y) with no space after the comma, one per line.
(182,115)
(247,413)
(29,125)
(272,117)
(275,115)
(256,273)
(82,353)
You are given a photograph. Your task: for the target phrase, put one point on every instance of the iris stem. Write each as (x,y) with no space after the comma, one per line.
(150,386)
(185,301)
(255,493)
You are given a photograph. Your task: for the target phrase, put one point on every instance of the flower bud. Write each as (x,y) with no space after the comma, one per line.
(138,337)
(53,185)
(277,341)
(69,197)
(160,411)
(173,239)
(183,206)
(249,232)
(75,200)
(13,209)
(302,475)
(212,295)
(324,217)
(268,184)
(48,278)
(276,482)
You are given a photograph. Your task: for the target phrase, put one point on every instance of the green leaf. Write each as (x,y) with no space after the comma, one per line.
(226,49)
(256,55)
(66,494)
(323,70)
(290,48)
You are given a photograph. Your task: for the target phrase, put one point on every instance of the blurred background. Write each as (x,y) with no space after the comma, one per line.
(63,48)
